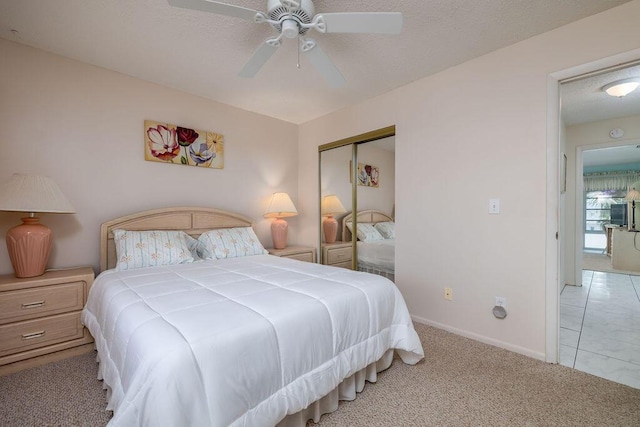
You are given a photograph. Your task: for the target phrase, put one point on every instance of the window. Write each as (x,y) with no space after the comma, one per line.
(597,213)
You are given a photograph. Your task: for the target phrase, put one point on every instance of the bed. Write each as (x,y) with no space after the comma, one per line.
(375,255)
(253,340)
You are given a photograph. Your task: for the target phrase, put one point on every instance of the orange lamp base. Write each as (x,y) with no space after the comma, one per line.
(29,246)
(279,233)
(330,228)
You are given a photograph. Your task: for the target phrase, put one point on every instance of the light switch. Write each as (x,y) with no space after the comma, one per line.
(494,206)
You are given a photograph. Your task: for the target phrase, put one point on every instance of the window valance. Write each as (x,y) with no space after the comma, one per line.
(601,181)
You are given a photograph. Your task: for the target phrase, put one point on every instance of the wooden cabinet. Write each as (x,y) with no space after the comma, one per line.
(301,253)
(624,250)
(338,254)
(40,318)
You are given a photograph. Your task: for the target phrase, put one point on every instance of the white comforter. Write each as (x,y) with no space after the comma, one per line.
(242,341)
(380,254)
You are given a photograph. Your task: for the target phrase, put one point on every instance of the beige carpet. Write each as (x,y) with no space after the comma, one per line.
(601,262)
(460,383)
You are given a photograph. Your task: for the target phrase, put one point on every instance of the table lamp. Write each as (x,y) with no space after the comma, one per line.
(330,206)
(632,196)
(280,207)
(29,243)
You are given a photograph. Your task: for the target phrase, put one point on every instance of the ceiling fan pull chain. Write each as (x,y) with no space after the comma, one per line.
(298,62)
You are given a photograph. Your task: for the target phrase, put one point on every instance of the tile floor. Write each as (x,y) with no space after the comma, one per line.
(600,326)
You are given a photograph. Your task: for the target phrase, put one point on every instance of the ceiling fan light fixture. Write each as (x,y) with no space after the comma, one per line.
(290,28)
(622,88)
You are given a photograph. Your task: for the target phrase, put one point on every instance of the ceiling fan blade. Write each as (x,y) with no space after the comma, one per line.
(325,66)
(217,8)
(360,22)
(259,58)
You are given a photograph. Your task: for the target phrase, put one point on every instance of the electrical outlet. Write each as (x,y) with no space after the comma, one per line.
(501,302)
(448,294)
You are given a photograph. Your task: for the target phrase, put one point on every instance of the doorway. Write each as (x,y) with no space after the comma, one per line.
(597,308)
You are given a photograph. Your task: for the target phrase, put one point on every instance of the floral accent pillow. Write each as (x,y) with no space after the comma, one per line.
(387,229)
(137,249)
(230,243)
(366,232)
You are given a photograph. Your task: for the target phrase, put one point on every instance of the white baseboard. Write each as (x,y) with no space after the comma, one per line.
(482,338)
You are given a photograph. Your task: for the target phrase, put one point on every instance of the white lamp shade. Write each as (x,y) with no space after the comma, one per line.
(280,206)
(632,195)
(33,193)
(331,205)
(622,87)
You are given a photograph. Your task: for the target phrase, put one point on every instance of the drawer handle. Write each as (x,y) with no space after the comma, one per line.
(33,304)
(33,335)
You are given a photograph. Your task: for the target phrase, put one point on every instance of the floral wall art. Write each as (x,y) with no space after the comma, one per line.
(368,175)
(183,146)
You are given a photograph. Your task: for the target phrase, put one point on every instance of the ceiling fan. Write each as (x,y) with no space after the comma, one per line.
(293,19)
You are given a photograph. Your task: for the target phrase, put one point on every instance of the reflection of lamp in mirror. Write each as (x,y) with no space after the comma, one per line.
(280,207)
(29,243)
(632,196)
(330,206)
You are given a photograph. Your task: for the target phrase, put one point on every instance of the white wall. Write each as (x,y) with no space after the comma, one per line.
(83,126)
(382,197)
(470,133)
(594,135)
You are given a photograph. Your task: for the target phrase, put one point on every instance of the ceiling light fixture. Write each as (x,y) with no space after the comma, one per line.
(622,88)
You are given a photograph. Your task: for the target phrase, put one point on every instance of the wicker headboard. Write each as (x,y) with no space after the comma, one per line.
(193,221)
(370,216)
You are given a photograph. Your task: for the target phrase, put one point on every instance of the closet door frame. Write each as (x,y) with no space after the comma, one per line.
(353,141)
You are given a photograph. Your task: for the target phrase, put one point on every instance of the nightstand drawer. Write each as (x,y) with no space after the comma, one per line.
(47,300)
(346,264)
(307,257)
(339,255)
(22,336)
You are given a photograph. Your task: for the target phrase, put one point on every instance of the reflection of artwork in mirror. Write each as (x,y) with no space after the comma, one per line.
(368,175)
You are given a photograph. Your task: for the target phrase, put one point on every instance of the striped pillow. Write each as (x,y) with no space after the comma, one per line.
(387,229)
(230,243)
(137,249)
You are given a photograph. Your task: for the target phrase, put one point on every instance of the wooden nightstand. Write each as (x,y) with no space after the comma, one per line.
(40,318)
(302,253)
(338,254)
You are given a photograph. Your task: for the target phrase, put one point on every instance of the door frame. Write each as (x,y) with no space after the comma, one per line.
(554,259)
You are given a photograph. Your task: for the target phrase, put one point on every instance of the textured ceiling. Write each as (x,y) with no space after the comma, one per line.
(584,100)
(201,53)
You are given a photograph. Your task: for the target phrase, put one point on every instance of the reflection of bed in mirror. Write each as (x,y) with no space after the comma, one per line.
(376,252)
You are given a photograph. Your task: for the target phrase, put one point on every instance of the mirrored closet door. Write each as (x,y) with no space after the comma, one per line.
(357,202)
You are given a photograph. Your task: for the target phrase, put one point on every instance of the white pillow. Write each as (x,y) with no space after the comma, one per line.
(230,243)
(137,249)
(366,232)
(387,229)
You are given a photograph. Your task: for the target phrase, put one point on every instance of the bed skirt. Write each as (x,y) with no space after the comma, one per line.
(346,390)
(380,272)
